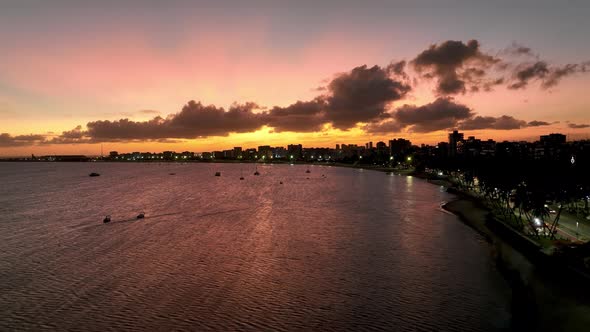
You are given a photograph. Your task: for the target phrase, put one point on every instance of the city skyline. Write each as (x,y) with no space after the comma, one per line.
(284,74)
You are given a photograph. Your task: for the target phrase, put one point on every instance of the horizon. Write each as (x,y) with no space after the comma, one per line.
(122,76)
(360,145)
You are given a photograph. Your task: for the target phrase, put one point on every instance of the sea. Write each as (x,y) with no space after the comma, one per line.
(332,249)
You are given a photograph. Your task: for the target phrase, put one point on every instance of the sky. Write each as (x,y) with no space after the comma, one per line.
(203,76)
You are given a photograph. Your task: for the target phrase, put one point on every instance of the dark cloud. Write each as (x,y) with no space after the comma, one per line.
(398,69)
(441,114)
(549,76)
(300,117)
(578,126)
(388,126)
(74,136)
(526,72)
(536,123)
(361,95)
(444,114)
(455,65)
(7,140)
(195,120)
(504,122)
(558,73)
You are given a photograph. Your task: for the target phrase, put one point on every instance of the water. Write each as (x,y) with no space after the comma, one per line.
(354,250)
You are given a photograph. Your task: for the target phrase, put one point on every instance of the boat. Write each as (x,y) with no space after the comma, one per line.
(281,182)
(308,171)
(107,219)
(256,172)
(241,175)
(217,173)
(93,174)
(141,215)
(241,178)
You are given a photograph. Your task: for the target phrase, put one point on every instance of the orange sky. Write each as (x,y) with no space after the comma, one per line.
(59,71)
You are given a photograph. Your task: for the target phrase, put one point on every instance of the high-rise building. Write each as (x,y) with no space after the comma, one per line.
(454,138)
(399,147)
(553,139)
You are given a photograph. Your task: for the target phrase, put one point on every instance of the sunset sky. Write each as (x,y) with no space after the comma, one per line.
(75,74)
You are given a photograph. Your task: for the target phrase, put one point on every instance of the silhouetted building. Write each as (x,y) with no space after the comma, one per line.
(553,139)
(399,147)
(264,151)
(238,152)
(295,150)
(454,138)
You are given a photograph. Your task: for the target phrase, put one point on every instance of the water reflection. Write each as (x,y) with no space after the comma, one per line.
(354,250)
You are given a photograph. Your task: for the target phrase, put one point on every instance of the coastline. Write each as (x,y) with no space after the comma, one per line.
(547,295)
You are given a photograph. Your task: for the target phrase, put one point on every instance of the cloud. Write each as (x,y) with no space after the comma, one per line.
(536,123)
(578,126)
(518,50)
(444,114)
(504,122)
(195,120)
(526,72)
(362,95)
(303,116)
(455,65)
(7,140)
(388,126)
(74,136)
(549,76)
(441,114)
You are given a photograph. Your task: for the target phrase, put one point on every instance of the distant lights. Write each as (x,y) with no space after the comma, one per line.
(537,221)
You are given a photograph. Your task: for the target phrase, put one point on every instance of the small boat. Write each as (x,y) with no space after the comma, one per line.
(172,173)
(107,219)
(308,171)
(141,215)
(217,173)
(256,172)
(241,178)
(281,182)
(93,174)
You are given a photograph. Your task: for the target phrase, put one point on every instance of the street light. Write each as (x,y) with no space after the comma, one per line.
(409,158)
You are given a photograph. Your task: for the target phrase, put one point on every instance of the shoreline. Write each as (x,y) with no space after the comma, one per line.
(547,294)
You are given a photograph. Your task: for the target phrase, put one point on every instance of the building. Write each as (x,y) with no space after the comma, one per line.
(238,152)
(264,151)
(399,147)
(553,139)
(454,139)
(295,151)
